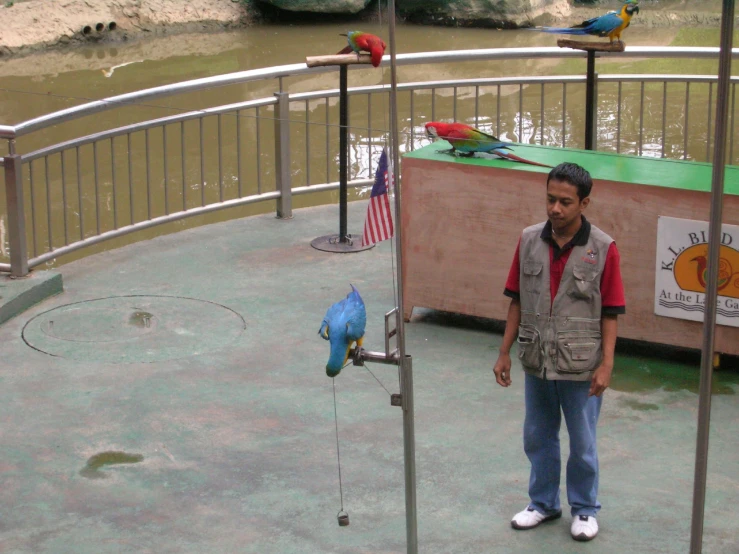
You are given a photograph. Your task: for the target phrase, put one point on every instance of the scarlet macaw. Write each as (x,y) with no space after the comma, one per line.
(610,25)
(343,326)
(365,42)
(467,140)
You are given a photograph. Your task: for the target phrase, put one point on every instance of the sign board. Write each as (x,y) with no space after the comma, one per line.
(680,282)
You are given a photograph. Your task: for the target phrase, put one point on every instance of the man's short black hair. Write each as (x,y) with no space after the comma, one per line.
(574,175)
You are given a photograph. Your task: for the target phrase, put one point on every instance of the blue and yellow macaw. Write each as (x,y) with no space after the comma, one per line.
(610,25)
(343,326)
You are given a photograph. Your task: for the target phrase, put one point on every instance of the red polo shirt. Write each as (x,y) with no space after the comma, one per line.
(613,300)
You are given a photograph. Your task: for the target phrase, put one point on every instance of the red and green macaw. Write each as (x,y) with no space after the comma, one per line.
(610,25)
(343,326)
(365,42)
(467,140)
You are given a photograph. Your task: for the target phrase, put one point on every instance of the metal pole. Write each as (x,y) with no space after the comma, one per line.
(282,155)
(16,214)
(406,366)
(590,103)
(343,242)
(714,245)
(343,149)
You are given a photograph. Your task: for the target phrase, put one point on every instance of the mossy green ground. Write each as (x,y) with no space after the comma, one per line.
(238,443)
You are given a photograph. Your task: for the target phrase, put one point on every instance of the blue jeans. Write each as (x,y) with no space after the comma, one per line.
(545,402)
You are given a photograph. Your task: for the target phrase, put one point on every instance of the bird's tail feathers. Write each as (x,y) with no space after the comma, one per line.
(346,50)
(561,30)
(515,158)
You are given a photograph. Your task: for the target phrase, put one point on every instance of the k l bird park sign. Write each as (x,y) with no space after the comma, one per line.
(682,265)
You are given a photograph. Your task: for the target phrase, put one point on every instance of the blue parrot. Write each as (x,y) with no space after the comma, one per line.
(343,325)
(610,25)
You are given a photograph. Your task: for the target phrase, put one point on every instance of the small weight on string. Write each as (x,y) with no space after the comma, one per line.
(343,518)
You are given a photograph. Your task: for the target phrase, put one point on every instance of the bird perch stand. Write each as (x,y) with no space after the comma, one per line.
(337,59)
(343,242)
(591,104)
(588,46)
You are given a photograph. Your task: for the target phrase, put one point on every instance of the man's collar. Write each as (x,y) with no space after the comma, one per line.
(579,239)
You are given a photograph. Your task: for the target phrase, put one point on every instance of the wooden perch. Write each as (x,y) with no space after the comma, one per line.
(618,46)
(338,59)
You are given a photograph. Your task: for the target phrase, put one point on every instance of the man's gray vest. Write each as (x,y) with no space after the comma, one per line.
(564,341)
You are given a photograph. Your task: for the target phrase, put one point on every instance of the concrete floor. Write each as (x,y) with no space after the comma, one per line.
(220,400)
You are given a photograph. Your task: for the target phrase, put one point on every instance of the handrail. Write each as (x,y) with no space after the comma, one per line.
(293,70)
(130,98)
(419,85)
(176,216)
(144,125)
(282,123)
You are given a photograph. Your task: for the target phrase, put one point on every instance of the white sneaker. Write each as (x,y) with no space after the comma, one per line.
(530,518)
(584,528)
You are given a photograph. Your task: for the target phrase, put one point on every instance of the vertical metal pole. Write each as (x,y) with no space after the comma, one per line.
(714,244)
(590,104)
(202,163)
(238,151)
(16,215)
(282,155)
(166,170)
(618,120)
(343,149)
(639,150)
(406,365)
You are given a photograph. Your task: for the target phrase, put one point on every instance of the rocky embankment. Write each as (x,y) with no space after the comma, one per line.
(32,25)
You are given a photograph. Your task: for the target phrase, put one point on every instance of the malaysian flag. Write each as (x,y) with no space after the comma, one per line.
(378,225)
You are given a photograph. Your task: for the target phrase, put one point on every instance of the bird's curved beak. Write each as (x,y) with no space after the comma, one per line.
(636,9)
(343,35)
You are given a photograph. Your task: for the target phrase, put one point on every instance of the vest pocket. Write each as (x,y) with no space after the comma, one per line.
(529,350)
(578,351)
(585,282)
(532,277)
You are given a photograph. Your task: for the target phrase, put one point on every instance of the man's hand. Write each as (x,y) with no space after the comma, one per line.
(502,369)
(601,379)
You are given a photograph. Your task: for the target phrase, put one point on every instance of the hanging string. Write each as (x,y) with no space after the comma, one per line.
(338,453)
(376,379)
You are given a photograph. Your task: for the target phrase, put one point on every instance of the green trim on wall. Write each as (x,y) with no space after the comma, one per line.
(678,174)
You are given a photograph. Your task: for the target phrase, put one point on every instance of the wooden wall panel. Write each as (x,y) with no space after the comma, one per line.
(461,224)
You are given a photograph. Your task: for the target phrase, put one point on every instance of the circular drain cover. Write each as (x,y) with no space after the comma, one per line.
(128,329)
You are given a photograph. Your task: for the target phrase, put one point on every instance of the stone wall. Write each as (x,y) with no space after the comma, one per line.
(503,12)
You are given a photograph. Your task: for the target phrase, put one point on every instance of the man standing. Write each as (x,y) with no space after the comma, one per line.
(566,292)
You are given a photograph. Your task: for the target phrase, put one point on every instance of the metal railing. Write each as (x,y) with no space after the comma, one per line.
(90,189)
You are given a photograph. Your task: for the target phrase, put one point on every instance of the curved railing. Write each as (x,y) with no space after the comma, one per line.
(86,190)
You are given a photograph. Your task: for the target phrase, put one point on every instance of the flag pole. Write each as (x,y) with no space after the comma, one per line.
(405,365)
